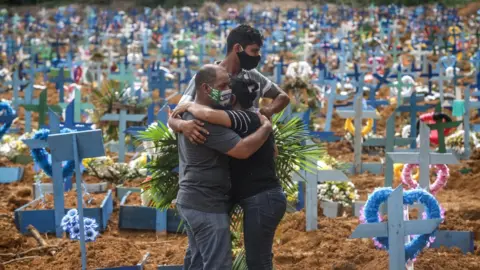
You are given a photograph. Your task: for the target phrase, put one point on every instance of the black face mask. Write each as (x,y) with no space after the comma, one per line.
(248,62)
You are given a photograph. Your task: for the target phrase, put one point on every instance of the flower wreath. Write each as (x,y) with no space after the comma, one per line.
(8,111)
(369,214)
(42,158)
(442,176)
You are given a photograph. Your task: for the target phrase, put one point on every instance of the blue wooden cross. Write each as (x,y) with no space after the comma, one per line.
(396,228)
(327,134)
(358,113)
(70,122)
(429,75)
(59,183)
(122,118)
(59,81)
(413,108)
(356,74)
(124,75)
(17,85)
(440,70)
(76,146)
(79,105)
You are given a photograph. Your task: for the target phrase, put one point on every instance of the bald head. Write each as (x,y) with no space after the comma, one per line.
(208,77)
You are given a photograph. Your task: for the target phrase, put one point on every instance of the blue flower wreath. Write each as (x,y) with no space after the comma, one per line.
(432,209)
(42,157)
(7,111)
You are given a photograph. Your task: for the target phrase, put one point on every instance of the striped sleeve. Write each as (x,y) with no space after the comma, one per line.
(240,121)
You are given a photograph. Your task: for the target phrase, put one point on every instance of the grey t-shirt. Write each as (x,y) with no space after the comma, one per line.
(204,169)
(267,87)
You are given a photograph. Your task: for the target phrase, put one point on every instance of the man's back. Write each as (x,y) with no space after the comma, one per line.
(204,169)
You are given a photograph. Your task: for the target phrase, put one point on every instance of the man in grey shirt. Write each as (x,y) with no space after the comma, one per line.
(243,55)
(202,199)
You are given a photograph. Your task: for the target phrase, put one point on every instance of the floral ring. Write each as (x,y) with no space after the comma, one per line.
(8,111)
(442,176)
(42,157)
(370,214)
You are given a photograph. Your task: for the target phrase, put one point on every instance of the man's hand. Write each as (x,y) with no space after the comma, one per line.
(194,131)
(267,111)
(264,121)
(181,108)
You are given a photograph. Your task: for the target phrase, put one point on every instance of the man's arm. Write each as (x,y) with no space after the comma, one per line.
(280,101)
(192,129)
(204,113)
(228,142)
(270,90)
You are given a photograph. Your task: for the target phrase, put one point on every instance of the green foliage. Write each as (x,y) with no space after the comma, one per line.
(163,186)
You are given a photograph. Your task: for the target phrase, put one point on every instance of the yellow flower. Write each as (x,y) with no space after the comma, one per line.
(86,162)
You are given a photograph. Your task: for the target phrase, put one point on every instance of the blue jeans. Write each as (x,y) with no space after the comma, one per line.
(209,242)
(262,214)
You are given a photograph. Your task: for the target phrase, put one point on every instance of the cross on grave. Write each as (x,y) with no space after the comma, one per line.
(75,146)
(70,122)
(396,228)
(469,105)
(358,113)
(440,126)
(356,74)
(413,108)
(17,85)
(332,97)
(389,142)
(420,56)
(440,70)
(125,75)
(122,118)
(41,108)
(60,81)
(394,52)
(311,192)
(77,105)
(59,184)
(424,158)
(429,75)
(399,86)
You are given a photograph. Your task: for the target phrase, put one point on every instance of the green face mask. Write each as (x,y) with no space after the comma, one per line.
(221,98)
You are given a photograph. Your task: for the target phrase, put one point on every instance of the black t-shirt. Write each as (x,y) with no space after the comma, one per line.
(257,173)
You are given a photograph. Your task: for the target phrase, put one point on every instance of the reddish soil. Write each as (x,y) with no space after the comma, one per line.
(134,199)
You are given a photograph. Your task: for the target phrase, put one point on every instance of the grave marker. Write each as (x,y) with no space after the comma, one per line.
(396,228)
(122,118)
(42,108)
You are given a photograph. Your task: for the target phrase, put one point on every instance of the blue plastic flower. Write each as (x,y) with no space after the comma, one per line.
(90,223)
(75,232)
(90,235)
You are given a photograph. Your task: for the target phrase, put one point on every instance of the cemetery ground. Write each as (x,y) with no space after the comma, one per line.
(327,248)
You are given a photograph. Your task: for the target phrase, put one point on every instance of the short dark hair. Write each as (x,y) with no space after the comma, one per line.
(244,35)
(207,74)
(245,91)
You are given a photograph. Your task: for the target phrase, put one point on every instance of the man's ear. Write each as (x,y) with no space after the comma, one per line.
(237,48)
(233,99)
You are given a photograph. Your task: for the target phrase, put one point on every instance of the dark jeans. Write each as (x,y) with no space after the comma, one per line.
(209,242)
(262,214)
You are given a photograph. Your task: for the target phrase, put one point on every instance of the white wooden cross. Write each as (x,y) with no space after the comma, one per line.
(358,113)
(396,228)
(424,158)
(311,192)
